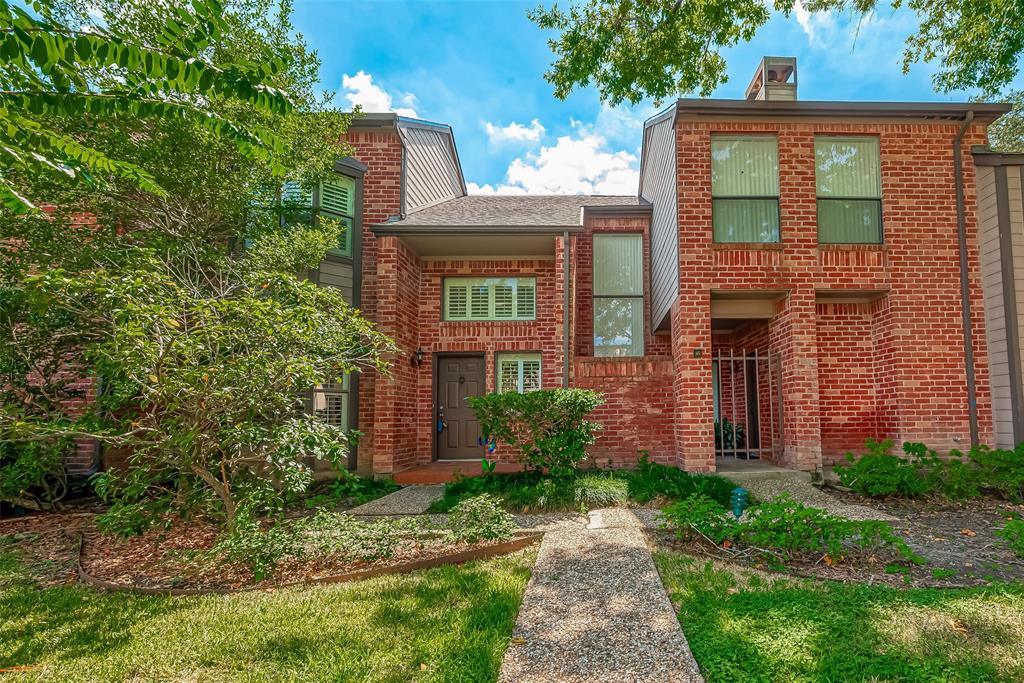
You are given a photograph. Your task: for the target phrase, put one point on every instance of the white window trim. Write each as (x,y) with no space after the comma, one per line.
(519,359)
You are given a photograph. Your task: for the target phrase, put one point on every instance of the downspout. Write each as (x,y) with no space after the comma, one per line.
(566,280)
(965,296)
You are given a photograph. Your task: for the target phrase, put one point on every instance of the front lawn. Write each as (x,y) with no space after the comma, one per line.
(532,491)
(749,627)
(446,624)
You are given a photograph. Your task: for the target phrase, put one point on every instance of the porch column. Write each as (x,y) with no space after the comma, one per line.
(691,358)
(397,415)
(793,334)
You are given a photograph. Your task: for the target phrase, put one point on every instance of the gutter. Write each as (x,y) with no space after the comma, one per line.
(965,297)
(566,303)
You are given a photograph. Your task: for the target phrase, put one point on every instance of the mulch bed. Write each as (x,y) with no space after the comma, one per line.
(178,559)
(953,536)
(957,540)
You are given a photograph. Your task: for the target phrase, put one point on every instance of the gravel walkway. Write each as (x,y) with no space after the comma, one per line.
(410,500)
(802,491)
(595,610)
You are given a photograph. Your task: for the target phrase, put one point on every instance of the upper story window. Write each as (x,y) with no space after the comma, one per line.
(333,198)
(490,298)
(745,188)
(518,372)
(849,186)
(618,295)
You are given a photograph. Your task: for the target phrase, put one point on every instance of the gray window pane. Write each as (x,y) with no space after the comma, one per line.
(850,221)
(745,220)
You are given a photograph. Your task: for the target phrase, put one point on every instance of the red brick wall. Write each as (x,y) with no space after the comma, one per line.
(382,152)
(846,378)
(919,332)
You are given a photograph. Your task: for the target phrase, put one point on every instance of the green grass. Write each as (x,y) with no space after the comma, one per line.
(446,624)
(744,627)
(588,489)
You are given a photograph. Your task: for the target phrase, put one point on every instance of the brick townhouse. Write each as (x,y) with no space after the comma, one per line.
(792,278)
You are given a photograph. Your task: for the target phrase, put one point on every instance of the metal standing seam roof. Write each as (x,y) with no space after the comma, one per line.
(509,211)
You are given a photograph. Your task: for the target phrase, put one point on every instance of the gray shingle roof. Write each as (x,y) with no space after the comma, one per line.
(510,210)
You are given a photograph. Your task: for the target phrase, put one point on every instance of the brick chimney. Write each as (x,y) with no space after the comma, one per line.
(775,79)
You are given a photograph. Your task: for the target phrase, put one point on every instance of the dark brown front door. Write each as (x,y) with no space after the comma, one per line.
(458,377)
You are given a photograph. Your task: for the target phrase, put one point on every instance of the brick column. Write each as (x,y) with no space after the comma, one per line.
(691,358)
(794,336)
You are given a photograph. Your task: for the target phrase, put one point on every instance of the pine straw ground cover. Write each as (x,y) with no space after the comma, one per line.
(444,624)
(751,627)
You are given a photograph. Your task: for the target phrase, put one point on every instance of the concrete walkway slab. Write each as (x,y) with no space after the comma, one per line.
(595,611)
(410,500)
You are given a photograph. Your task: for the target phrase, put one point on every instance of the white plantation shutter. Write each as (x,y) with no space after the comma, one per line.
(504,300)
(526,299)
(518,372)
(490,298)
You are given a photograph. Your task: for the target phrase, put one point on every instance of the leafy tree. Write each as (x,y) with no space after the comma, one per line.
(189,302)
(50,69)
(205,366)
(1007,133)
(634,49)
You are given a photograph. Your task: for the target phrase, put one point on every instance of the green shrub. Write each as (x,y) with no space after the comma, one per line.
(479,519)
(1013,534)
(260,549)
(351,489)
(337,534)
(32,473)
(1000,470)
(652,480)
(548,428)
(782,528)
(878,473)
(697,515)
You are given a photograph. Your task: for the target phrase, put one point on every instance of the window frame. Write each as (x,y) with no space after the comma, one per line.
(520,357)
(641,297)
(492,282)
(818,199)
(777,197)
(317,210)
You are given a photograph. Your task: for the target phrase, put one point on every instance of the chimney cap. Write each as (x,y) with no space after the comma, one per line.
(773,72)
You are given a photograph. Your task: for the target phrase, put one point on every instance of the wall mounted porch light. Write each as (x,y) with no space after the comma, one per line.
(416,359)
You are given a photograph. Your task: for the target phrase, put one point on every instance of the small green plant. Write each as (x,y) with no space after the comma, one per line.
(1000,470)
(1013,534)
(878,473)
(261,549)
(349,489)
(652,480)
(944,573)
(488,466)
(479,519)
(728,435)
(548,428)
(600,490)
(781,529)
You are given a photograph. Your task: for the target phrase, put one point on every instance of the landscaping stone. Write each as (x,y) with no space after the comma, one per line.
(595,610)
(410,500)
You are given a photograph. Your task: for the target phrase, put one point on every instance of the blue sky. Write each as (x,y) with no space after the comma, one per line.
(478,65)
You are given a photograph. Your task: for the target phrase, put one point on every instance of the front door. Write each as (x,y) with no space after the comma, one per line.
(458,377)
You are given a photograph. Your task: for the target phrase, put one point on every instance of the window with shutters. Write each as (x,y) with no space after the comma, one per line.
(518,372)
(330,402)
(335,199)
(492,298)
(745,188)
(848,176)
(618,295)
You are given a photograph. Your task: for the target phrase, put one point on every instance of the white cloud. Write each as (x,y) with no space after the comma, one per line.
(514,132)
(362,91)
(820,27)
(576,164)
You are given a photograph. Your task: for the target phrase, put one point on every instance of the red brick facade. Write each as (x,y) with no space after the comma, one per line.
(869,338)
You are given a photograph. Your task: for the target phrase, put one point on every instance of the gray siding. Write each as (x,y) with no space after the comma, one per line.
(337,274)
(995,316)
(658,186)
(431,167)
(1002,315)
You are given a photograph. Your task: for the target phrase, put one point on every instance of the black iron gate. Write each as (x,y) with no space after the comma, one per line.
(747,387)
